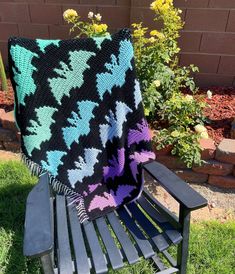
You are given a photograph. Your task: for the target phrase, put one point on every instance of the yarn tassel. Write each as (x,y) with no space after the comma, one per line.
(75,198)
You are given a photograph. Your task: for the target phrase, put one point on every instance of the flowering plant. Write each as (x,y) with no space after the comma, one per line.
(172,114)
(92,28)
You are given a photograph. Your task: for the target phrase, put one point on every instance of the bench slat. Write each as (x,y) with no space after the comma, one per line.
(82,262)
(98,257)
(139,237)
(113,252)
(148,227)
(168,229)
(127,246)
(64,252)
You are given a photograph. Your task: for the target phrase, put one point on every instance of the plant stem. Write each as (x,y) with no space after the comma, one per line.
(3,75)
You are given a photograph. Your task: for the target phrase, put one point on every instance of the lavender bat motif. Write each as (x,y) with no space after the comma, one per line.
(140,157)
(116,165)
(135,136)
(111,199)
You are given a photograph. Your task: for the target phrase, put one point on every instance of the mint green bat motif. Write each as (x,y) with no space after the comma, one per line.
(71,75)
(23,75)
(44,43)
(40,129)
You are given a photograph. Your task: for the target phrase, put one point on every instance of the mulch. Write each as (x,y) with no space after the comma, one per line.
(220,111)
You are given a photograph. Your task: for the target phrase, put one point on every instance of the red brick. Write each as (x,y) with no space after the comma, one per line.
(191,3)
(214,167)
(12,146)
(18,136)
(8,121)
(208,80)
(33,31)
(205,62)
(98,3)
(7,135)
(115,17)
(189,41)
(222,181)
(171,162)
(223,43)
(46,13)
(146,16)
(225,151)
(60,32)
(208,149)
(191,176)
(141,3)
(63,1)
(1,145)
(222,4)
(14,12)
(164,151)
(234,171)
(123,3)
(206,20)
(227,64)
(231,21)
(7,30)
(30,1)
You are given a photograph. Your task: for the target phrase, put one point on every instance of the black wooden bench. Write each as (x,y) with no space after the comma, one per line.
(144,228)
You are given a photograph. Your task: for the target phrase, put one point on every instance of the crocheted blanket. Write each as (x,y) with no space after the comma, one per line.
(78,107)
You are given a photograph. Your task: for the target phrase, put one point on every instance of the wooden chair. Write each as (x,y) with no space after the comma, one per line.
(144,228)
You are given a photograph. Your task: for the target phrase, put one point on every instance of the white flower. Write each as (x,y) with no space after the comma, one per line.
(90,14)
(98,17)
(209,94)
(200,128)
(157,83)
(180,11)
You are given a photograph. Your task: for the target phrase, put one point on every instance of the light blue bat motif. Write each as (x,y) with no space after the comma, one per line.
(115,123)
(42,43)
(85,166)
(80,124)
(53,161)
(116,69)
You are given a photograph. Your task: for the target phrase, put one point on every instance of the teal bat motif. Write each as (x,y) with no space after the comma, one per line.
(70,75)
(53,161)
(116,69)
(40,129)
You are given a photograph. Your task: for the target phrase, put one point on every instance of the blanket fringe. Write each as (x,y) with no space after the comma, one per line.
(75,198)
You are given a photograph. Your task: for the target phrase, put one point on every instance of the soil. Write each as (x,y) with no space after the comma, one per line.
(7,98)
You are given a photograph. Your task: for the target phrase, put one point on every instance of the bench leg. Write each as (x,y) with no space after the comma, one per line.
(47,264)
(182,254)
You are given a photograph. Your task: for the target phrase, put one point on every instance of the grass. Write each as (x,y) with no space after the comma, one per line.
(212,244)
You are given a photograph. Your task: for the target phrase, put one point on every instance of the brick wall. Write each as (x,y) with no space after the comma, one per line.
(208,38)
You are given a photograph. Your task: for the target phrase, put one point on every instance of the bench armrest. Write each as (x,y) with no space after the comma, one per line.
(38,238)
(175,186)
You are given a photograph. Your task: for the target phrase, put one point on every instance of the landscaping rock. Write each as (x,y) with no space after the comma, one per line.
(2,111)
(1,145)
(225,151)
(191,176)
(7,155)
(214,167)
(222,181)
(8,121)
(171,162)
(233,129)
(12,146)
(208,149)
(7,135)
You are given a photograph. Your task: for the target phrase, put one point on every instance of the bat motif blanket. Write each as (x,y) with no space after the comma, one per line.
(78,107)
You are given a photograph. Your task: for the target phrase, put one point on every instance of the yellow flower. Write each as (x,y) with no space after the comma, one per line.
(160,35)
(157,83)
(104,27)
(152,39)
(154,33)
(175,133)
(204,135)
(189,98)
(146,112)
(70,14)
(200,128)
(100,28)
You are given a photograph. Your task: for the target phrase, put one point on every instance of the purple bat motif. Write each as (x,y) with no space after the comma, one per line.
(93,187)
(135,136)
(116,165)
(111,199)
(140,157)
